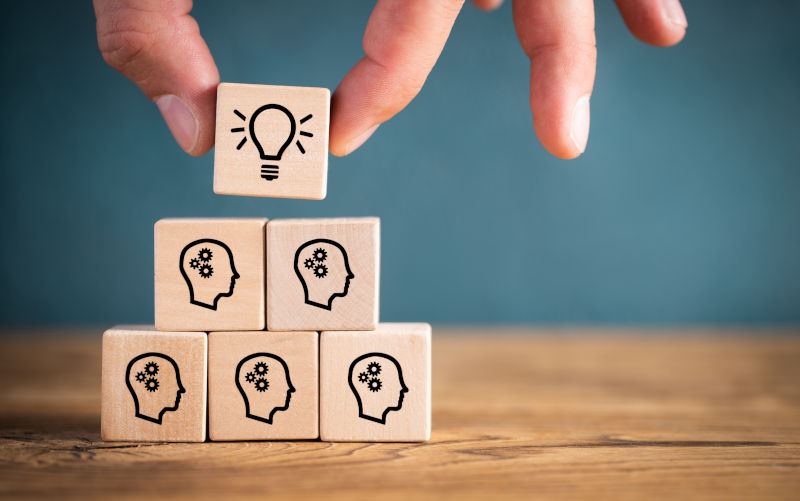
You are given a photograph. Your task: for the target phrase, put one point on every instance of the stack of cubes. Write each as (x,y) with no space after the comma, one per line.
(323,368)
(268,330)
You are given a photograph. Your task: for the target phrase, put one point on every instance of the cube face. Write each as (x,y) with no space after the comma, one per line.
(376,386)
(323,274)
(271,141)
(209,274)
(263,385)
(153,385)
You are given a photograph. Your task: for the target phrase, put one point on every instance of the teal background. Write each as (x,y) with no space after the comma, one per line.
(684,209)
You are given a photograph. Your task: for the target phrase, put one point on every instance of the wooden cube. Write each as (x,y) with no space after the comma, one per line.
(376,386)
(263,385)
(209,274)
(323,274)
(153,385)
(272,141)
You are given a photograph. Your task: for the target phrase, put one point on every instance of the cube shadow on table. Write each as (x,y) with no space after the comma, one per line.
(323,274)
(153,385)
(209,274)
(263,385)
(376,386)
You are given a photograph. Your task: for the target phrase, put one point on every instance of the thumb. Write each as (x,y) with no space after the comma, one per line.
(157,45)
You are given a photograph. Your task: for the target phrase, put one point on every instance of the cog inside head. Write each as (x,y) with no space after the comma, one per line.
(374,384)
(308,263)
(261,368)
(320,255)
(151,384)
(262,384)
(151,368)
(205,254)
(140,377)
(194,263)
(374,368)
(363,377)
(249,377)
(206,271)
(320,271)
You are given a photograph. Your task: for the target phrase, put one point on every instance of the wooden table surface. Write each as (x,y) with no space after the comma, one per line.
(526,414)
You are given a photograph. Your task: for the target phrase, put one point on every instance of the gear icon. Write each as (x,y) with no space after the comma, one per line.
(151,368)
(375,384)
(362,378)
(205,254)
(374,368)
(140,377)
(308,263)
(249,377)
(320,271)
(151,384)
(320,255)
(262,384)
(194,263)
(206,270)
(261,368)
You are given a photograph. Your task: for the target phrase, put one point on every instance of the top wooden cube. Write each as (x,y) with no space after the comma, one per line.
(272,141)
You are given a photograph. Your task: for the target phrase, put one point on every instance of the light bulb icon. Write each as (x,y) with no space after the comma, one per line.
(272,128)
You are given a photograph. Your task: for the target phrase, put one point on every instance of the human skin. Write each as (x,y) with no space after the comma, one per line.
(157,45)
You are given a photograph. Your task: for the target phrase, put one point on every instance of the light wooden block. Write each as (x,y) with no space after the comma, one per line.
(323,274)
(263,385)
(272,141)
(153,385)
(376,386)
(209,274)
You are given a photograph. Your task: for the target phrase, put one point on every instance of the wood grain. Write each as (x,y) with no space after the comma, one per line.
(572,415)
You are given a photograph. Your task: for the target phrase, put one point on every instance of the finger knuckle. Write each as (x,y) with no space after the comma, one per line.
(124,38)
(120,49)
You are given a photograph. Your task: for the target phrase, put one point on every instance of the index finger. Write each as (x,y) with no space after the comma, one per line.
(402,42)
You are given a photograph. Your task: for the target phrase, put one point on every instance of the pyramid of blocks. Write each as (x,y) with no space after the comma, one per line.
(268,329)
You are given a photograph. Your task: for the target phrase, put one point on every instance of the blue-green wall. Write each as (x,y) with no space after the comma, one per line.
(684,209)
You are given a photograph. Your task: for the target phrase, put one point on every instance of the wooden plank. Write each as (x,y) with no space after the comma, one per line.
(573,415)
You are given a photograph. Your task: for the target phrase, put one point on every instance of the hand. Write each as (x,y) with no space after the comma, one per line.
(157,44)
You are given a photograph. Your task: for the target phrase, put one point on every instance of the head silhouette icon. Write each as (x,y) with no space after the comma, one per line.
(323,269)
(377,382)
(207,266)
(155,385)
(263,380)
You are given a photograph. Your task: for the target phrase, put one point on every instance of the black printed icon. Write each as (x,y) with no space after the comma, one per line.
(272,128)
(264,382)
(207,266)
(323,270)
(377,383)
(155,385)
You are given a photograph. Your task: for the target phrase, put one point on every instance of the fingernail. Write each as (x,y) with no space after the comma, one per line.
(579,131)
(357,142)
(674,12)
(179,119)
